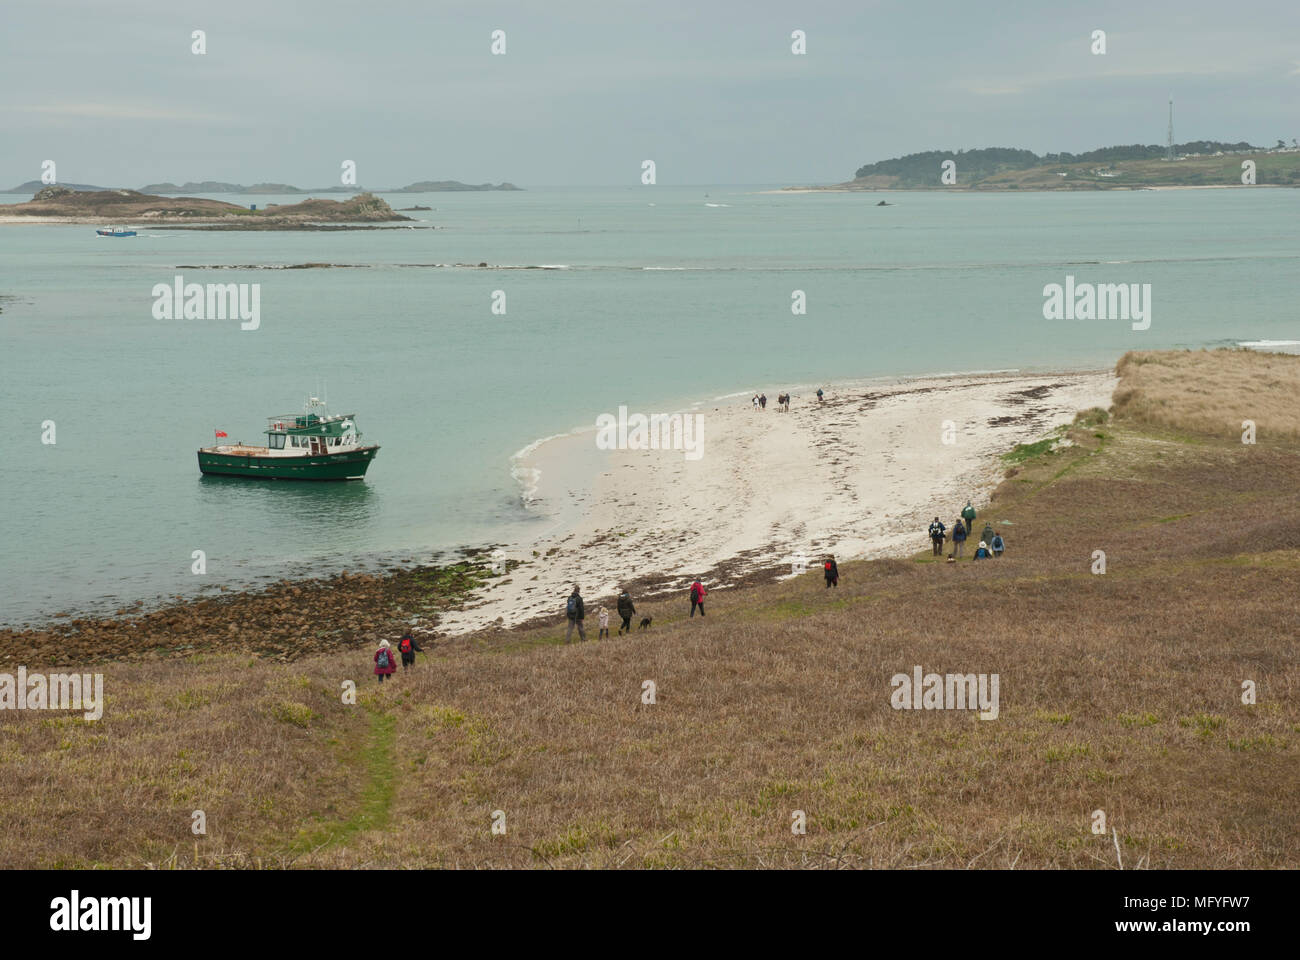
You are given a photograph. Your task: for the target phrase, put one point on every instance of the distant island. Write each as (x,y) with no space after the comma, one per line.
(217,186)
(1201,163)
(60,204)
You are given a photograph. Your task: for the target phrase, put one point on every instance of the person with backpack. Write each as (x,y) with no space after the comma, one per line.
(819,394)
(968,514)
(998,545)
(575,612)
(697,596)
(626,611)
(384,665)
(408,647)
(958,538)
(938,533)
(832,573)
(602,618)
(987,533)
(982,552)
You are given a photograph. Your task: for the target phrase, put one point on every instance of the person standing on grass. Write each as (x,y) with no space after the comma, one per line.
(968,514)
(697,596)
(384,665)
(602,619)
(626,611)
(982,552)
(575,612)
(938,533)
(997,545)
(987,533)
(408,647)
(832,573)
(958,538)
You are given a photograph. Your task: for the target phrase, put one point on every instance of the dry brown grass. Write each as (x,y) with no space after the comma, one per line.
(1212,391)
(1119,692)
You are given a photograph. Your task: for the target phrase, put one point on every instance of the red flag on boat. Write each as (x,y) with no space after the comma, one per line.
(220,433)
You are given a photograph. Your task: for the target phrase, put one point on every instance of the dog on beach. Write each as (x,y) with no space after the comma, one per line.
(645,623)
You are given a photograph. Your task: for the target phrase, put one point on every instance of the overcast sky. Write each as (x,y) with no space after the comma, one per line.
(587,90)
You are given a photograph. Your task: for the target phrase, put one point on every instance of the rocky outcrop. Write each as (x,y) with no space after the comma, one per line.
(72,206)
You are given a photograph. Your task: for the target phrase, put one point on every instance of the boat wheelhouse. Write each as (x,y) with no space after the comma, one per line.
(311,445)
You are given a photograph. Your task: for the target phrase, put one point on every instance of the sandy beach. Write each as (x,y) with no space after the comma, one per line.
(859,475)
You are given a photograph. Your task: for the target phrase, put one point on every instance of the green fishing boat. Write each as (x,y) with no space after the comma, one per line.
(311,445)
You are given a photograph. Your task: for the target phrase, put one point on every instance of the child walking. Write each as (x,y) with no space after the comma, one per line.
(602,617)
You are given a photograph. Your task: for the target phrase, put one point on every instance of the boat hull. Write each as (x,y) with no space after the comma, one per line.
(351,465)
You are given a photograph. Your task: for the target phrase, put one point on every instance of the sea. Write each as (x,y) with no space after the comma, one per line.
(525,315)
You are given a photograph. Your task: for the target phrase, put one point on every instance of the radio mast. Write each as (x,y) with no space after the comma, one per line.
(1169,142)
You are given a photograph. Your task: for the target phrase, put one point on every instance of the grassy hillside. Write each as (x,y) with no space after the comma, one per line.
(1119,692)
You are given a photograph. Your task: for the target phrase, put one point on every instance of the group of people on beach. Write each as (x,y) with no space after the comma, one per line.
(782,402)
(575,611)
(386,659)
(991,543)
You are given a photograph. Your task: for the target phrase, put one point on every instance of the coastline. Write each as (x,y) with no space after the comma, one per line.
(858,476)
(847,477)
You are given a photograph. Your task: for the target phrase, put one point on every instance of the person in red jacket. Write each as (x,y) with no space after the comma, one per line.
(697,597)
(385,663)
(408,647)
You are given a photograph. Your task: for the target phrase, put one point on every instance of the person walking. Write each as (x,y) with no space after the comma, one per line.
(981,552)
(574,610)
(762,401)
(626,611)
(958,538)
(937,535)
(408,647)
(968,514)
(602,619)
(987,533)
(384,665)
(819,395)
(832,573)
(998,545)
(697,596)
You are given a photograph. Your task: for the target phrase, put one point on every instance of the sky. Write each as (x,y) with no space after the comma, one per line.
(710,90)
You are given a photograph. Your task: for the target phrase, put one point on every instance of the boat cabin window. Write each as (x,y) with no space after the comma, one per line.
(276,441)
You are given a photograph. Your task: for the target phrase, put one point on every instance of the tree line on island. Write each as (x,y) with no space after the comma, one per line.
(973,166)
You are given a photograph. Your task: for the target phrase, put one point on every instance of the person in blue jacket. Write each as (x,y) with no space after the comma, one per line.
(997,545)
(958,537)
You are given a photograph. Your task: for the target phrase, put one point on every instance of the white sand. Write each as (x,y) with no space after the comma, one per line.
(860,475)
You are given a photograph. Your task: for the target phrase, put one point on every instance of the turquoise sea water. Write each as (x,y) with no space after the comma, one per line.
(666,296)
